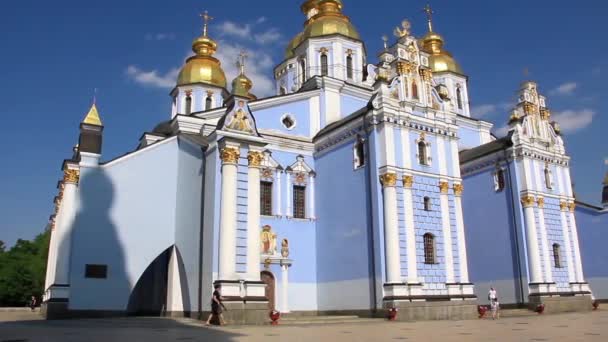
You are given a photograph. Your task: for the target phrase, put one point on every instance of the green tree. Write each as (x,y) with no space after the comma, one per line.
(2,246)
(22,270)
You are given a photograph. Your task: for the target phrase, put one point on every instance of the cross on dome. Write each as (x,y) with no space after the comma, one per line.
(206,19)
(241,61)
(429,15)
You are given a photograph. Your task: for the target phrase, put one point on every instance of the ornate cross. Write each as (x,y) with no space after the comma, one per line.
(241,61)
(429,15)
(206,19)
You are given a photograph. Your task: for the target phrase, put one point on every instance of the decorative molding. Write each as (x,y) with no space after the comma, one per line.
(71,176)
(444,187)
(528,201)
(408,181)
(458,189)
(541,202)
(563,206)
(572,207)
(388,179)
(255,158)
(230,155)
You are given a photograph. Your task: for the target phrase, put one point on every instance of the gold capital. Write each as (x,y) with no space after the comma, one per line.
(458,188)
(572,207)
(444,187)
(255,159)
(408,181)
(541,202)
(71,176)
(230,155)
(563,206)
(388,179)
(528,201)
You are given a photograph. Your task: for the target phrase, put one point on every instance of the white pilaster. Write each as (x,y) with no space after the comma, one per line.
(462,247)
(391,229)
(255,159)
(534,269)
(64,227)
(443,160)
(455,158)
(277,187)
(578,264)
(447,231)
(175,302)
(284,288)
(405,146)
(227,262)
(566,248)
(545,241)
(288,189)
(410,230)
(311,197)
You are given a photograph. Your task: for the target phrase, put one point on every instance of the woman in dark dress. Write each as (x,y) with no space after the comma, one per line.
(216,306)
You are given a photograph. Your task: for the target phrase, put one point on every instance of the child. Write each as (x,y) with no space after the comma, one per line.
(495,305)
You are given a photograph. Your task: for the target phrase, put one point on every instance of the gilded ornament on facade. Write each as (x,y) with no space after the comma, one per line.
(529,108)
(388,179)
(239,121)
(71,176)
(300,178)
(408,181)
(572,207)
(285,248)
(230,155)
(255,159)
(404,30)
(268,239)
(458,189)
(541,202)
(563,205)
(422,136)
(528,201)
(267,173)
(444,187)
(545,114)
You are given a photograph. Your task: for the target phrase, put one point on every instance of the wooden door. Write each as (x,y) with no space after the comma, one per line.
(268,279)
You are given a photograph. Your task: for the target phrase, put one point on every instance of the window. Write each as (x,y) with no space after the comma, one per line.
(427,204)
(303,67)
(208,102)
(548,177)
(459,97)
(499,180)
(266,198)
(557,255)
(96,271)
(188,105)
(415,90)
(422,156)
(299,201)
(349,67)
(324,65)
(359,153)
(288,121)
(429,248)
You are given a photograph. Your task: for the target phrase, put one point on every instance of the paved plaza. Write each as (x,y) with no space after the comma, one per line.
(22,327)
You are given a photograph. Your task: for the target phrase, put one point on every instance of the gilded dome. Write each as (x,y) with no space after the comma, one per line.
(440,60)
(293,44)
(241,86)
(203,67)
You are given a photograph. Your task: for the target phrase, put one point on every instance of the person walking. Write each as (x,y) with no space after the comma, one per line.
(216,306)
(492,295)
(33,303)
(495,305)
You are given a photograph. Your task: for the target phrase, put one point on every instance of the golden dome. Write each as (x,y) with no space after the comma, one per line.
(440,60)
(328,20)
(203,67)
(241,85)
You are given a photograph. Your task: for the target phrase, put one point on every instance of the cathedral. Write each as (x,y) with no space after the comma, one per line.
(359,187)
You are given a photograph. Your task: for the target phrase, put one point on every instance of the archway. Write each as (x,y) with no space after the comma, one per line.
(149,295)
(269,280)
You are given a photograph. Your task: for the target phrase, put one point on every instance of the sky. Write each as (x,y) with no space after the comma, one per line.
(54,54)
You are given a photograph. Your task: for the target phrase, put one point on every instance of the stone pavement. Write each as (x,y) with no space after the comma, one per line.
(566,327)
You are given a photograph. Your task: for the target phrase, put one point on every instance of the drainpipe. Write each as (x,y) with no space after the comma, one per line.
(370,216)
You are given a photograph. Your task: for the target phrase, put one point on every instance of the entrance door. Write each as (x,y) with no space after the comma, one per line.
(268,279)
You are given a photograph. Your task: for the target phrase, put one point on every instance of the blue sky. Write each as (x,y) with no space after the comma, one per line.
(54,53)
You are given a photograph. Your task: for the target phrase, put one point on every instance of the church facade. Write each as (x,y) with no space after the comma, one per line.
(357,188)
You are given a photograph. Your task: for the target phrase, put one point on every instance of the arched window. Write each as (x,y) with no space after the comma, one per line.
(283,91)
(427,204)
(557,255)
(499,180)
(459,97)
(324,65)
(415,90)
(208,102)
(303,70)
(188,105)
(349,67)
(548,177)
(359,153)
(429,248)
(422,156)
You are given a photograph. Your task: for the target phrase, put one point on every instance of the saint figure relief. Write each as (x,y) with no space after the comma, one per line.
(240,122)
(268,240)
(285,248)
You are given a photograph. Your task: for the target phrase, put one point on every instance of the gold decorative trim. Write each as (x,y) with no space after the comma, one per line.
(545,114)
(528,201)
(408,181)
(444,187)
(230,155)
(71,176)
(563,206)
(388,179)
(255,159)
(541,202)
(458,189)
(572,207)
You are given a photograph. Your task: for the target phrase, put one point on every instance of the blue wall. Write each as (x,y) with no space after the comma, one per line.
(270,118)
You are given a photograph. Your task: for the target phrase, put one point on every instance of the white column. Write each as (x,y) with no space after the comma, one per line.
(544,240)
(578,264)
(311,197)
(63,231)
(462,246)
(288,189)
(175,302)
(566,248)
(227,263)
(534,269)
(277,186)
(406,155)
(410,230)
(284,288)
(455,158)
(255,159)
(447,231)
(391,228)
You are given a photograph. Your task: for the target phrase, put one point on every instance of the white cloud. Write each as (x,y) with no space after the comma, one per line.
(261,20)
(229,28)
(571,121)
(501,131)
(491,109)
(268,37)
(160,36)
(152,78)
(565,89)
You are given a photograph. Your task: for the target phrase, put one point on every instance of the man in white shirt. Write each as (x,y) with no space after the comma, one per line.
(492,295)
